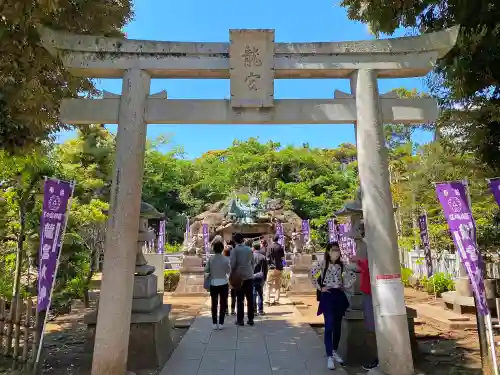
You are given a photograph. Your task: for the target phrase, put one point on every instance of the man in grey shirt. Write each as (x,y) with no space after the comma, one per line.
(242,264)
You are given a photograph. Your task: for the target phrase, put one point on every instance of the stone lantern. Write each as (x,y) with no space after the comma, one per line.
(192,274)
(148,212)
(150,342)
(356,345)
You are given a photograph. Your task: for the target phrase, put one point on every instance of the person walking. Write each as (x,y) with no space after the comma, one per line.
(263,247)
(328,277)
(227,252)
(276,257)
(241,278)
(218,269)
(259,278)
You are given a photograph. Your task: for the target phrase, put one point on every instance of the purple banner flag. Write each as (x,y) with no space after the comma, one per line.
(346,243)
(279,233)
(56,197)
(188,229)
(332,231)
(161,237)
(424,236)
(306,231)
(495,189)
(453,199)
(342,230)
(351,245)
(206,238)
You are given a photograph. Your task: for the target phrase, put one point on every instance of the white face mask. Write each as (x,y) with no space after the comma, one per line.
(334,255)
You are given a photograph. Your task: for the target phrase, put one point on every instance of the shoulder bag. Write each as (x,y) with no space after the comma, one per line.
(235,279)
(208,278)
(321,280)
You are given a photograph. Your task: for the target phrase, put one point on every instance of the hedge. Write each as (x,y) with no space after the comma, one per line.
(171,280)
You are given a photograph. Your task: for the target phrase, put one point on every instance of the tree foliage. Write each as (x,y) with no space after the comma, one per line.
(467,80)
(310,181)
(413,177)
(33,82)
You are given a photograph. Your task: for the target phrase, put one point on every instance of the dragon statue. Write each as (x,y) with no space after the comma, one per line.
(242,213)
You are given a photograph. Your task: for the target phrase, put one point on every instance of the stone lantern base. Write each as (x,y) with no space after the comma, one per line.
(150,341)
(300,279)
(192,276)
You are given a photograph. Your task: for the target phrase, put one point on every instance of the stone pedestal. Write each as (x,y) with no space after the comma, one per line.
(356,346)
(300,278)
(158,262)
(150,341)
(463,304)
(463,287)
(192,276)
(411,314)
(461,300)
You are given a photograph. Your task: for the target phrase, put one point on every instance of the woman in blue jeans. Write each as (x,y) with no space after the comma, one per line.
(328,277)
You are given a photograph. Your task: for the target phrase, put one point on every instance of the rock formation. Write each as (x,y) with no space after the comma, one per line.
(233,215)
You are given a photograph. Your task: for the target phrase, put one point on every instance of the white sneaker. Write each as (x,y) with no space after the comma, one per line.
(330,363)
(215,327)
(337,358)
(221,326)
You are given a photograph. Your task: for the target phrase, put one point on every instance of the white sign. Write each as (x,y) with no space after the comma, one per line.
(391,296)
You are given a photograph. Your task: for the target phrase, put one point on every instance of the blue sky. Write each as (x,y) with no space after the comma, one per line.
(210,21)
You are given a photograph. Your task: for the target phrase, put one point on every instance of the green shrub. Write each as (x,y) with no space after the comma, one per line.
(173,248)
(7,267)
(285,280)
(171,280)
(406,273)
(438,283)
(422,282)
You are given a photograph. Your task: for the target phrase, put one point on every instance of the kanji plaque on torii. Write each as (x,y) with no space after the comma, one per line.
(251,61)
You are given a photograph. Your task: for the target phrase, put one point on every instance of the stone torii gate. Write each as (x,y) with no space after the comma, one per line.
(252,60)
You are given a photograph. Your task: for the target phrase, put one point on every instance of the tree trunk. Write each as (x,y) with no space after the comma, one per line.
(86,298)
(19,253)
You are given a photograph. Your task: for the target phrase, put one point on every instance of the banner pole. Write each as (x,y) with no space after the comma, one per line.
(46,315)
(430,253)
(484,328)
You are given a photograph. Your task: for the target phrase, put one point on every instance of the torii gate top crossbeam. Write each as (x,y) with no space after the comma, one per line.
(104,57)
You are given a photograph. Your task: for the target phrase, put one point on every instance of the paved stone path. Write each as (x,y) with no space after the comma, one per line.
(278,344)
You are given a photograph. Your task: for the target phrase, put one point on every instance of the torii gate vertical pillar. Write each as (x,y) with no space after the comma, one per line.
(393,341)
(115,301)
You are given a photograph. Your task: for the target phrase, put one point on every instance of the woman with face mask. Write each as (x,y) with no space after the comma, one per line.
(328,277)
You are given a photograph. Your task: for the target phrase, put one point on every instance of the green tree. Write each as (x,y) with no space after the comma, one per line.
(165,176)
(413,190)
(467,80)
(87,160)
(33,82)
(21,179)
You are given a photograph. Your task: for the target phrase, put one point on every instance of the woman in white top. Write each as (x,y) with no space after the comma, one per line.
(218,269)
(328,277)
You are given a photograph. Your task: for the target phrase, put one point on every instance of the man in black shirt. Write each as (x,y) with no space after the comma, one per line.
(263,247)
(259,278)
(276,258)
